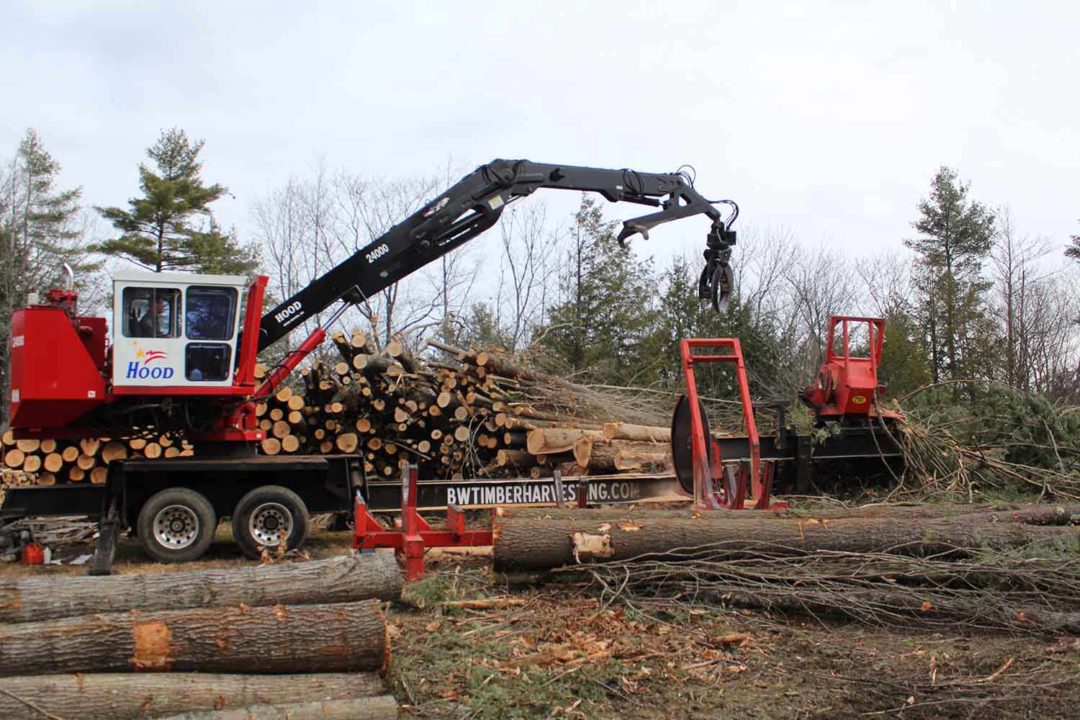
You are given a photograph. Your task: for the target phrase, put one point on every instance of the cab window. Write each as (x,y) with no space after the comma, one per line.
(151,312)
(210,313)
(207,362)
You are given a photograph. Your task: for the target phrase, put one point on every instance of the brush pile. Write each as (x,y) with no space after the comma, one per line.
(934,566)
(999,439)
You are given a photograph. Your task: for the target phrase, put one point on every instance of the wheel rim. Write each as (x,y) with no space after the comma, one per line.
(270,524)
(176,527)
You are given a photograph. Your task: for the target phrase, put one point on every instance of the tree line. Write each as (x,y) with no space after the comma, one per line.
(969,297)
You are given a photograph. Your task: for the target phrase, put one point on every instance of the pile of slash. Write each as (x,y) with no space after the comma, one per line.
(1012,569)
(298,641)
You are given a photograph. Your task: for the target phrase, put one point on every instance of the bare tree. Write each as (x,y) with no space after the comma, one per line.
(886,283)
(526,272)
(820,285)
(310,225)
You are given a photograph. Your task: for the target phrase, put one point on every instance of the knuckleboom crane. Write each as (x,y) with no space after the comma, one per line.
(182,352)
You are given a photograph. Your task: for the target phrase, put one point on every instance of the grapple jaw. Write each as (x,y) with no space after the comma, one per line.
(717,281)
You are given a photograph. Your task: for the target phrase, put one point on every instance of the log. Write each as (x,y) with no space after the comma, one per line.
(626,460)
(347,442)
(127,696)
(619,455)
(277,639)
(271,446)
(99,475)
(32,463)
(629,431)
(359,340)
(29,445)
(289,444)
(517,459)
(52,462)
(592,456)
(381,707)
(112,452)
(339,579)
(557,440)
(557,538)
(14,458)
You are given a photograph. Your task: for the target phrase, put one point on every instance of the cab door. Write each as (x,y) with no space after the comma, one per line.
(148,342)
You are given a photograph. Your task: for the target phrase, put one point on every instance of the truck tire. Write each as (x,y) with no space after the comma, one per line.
(268,516)
(176,525)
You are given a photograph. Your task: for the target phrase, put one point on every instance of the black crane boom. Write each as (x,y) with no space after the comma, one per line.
(475,203)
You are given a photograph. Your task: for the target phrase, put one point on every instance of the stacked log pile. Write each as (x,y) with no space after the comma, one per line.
(938,566)
(471,412)
(48,461)
(213,642)
(456,413)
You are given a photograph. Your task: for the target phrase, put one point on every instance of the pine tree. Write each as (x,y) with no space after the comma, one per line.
(955,237)
(903,358)
(218,253)
(157,228)
(40,232)
(1073,250)
(607,311)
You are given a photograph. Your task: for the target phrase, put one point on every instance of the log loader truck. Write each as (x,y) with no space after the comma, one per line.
(181,357)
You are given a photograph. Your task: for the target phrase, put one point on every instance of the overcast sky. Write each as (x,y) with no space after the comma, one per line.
(828,119)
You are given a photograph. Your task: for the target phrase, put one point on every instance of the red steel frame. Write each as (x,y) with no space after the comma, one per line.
(412,535)
(709,471)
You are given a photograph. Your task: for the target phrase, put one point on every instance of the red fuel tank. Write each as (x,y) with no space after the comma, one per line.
(54,378)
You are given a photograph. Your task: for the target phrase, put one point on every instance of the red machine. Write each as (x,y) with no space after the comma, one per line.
(183,351)
(741,472)
(847,386)
(716,485)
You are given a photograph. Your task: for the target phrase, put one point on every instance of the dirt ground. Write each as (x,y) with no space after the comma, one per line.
(556,652)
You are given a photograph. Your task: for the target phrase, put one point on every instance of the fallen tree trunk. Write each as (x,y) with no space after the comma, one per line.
(527,542)
(382,707)
(276,639)
(125,696)
(345,578)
